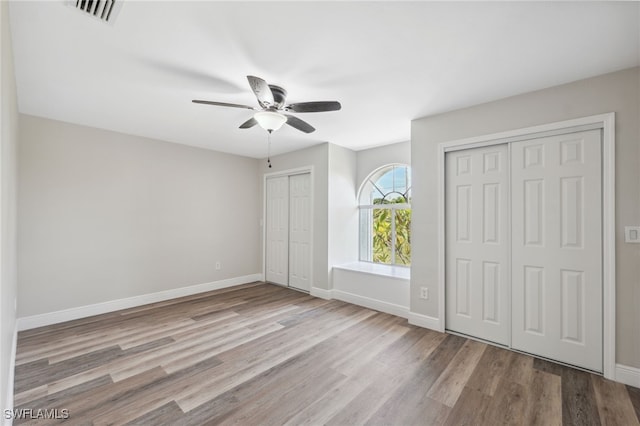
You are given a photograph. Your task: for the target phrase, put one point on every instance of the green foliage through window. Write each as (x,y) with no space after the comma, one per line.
(385,218)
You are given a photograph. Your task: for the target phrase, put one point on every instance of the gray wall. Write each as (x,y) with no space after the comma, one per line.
(105,216)
(8,147)
(318,157)
(374,158)
(617,92)
(343,207)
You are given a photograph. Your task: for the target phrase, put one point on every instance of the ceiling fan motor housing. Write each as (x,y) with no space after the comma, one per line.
(279,95)
(271,114)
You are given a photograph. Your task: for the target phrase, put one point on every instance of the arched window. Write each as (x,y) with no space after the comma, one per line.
(385,216)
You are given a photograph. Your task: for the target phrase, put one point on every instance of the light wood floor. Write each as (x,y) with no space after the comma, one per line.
(259,354)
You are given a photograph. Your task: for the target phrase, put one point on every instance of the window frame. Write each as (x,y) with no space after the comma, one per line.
(393,207)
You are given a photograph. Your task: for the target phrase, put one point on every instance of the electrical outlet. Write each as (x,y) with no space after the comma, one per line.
(424,292)
(218,265)
(632,234)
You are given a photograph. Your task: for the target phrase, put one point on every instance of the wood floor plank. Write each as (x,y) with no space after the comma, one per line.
(27,374)
(367,402)
(62,399)
(318,308)
(365,389)
(190,353)
(490,370)
(144,398)
(261,354)
(424,410)
(548,367)
(613,409)
(279,379)
(56,332)
(322,409)
(85,407)
(390,369)
(544,403)
(276,409)
(520,369)
(167,415)
(30,395)
(449,385)
(469,409)
(412,393)
(579,406)
(109,365)
(634,395)
(202,352)
(272,356)
(175,331)
(508,405)
(250,395)
(367,351)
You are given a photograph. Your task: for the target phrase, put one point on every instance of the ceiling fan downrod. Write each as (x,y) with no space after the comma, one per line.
(269,148)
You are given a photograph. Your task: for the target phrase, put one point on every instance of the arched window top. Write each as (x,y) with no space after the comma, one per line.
(387,185)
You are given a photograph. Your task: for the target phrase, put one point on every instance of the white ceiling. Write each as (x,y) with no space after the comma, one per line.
(386,62)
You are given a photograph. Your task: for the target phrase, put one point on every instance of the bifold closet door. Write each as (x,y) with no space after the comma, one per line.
(557,248)
(277,231)
(300,231)
(477,239)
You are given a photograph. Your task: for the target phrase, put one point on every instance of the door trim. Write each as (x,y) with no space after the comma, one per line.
(606,122)
(263,220)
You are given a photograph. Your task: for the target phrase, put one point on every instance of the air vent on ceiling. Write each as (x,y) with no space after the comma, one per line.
(103,10)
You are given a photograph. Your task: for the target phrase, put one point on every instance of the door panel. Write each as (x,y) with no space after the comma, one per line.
(277,232)
(557,248)
(534,284)
(491,291)
(300,231)
(477,243)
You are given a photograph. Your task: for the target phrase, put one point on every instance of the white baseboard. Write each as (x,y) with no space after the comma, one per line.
(8,405)
(425,321)
(34,321)
(321,293)
(628,375)
(367,302)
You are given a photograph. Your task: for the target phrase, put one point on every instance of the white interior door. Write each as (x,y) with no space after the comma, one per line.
(477,243)
(300,231)
(557,248)
(277,232)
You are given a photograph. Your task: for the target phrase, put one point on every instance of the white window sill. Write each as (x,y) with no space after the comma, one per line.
(400,272)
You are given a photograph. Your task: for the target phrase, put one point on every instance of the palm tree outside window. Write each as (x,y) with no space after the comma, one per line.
(385,216)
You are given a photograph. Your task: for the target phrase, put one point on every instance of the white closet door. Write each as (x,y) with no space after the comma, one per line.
(300,231)
(556,248)
(477,239)
(277,232)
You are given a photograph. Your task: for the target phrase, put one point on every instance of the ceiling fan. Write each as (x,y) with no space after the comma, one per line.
(272,113)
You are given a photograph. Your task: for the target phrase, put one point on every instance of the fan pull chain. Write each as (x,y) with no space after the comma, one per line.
(269,149)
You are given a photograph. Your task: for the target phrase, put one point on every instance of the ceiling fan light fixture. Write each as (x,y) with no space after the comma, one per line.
(270,120)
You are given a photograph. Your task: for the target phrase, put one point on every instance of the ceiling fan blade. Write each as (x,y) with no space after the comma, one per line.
(224,104)
(249,123)
(321,106)
(301,125)
(261,90)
